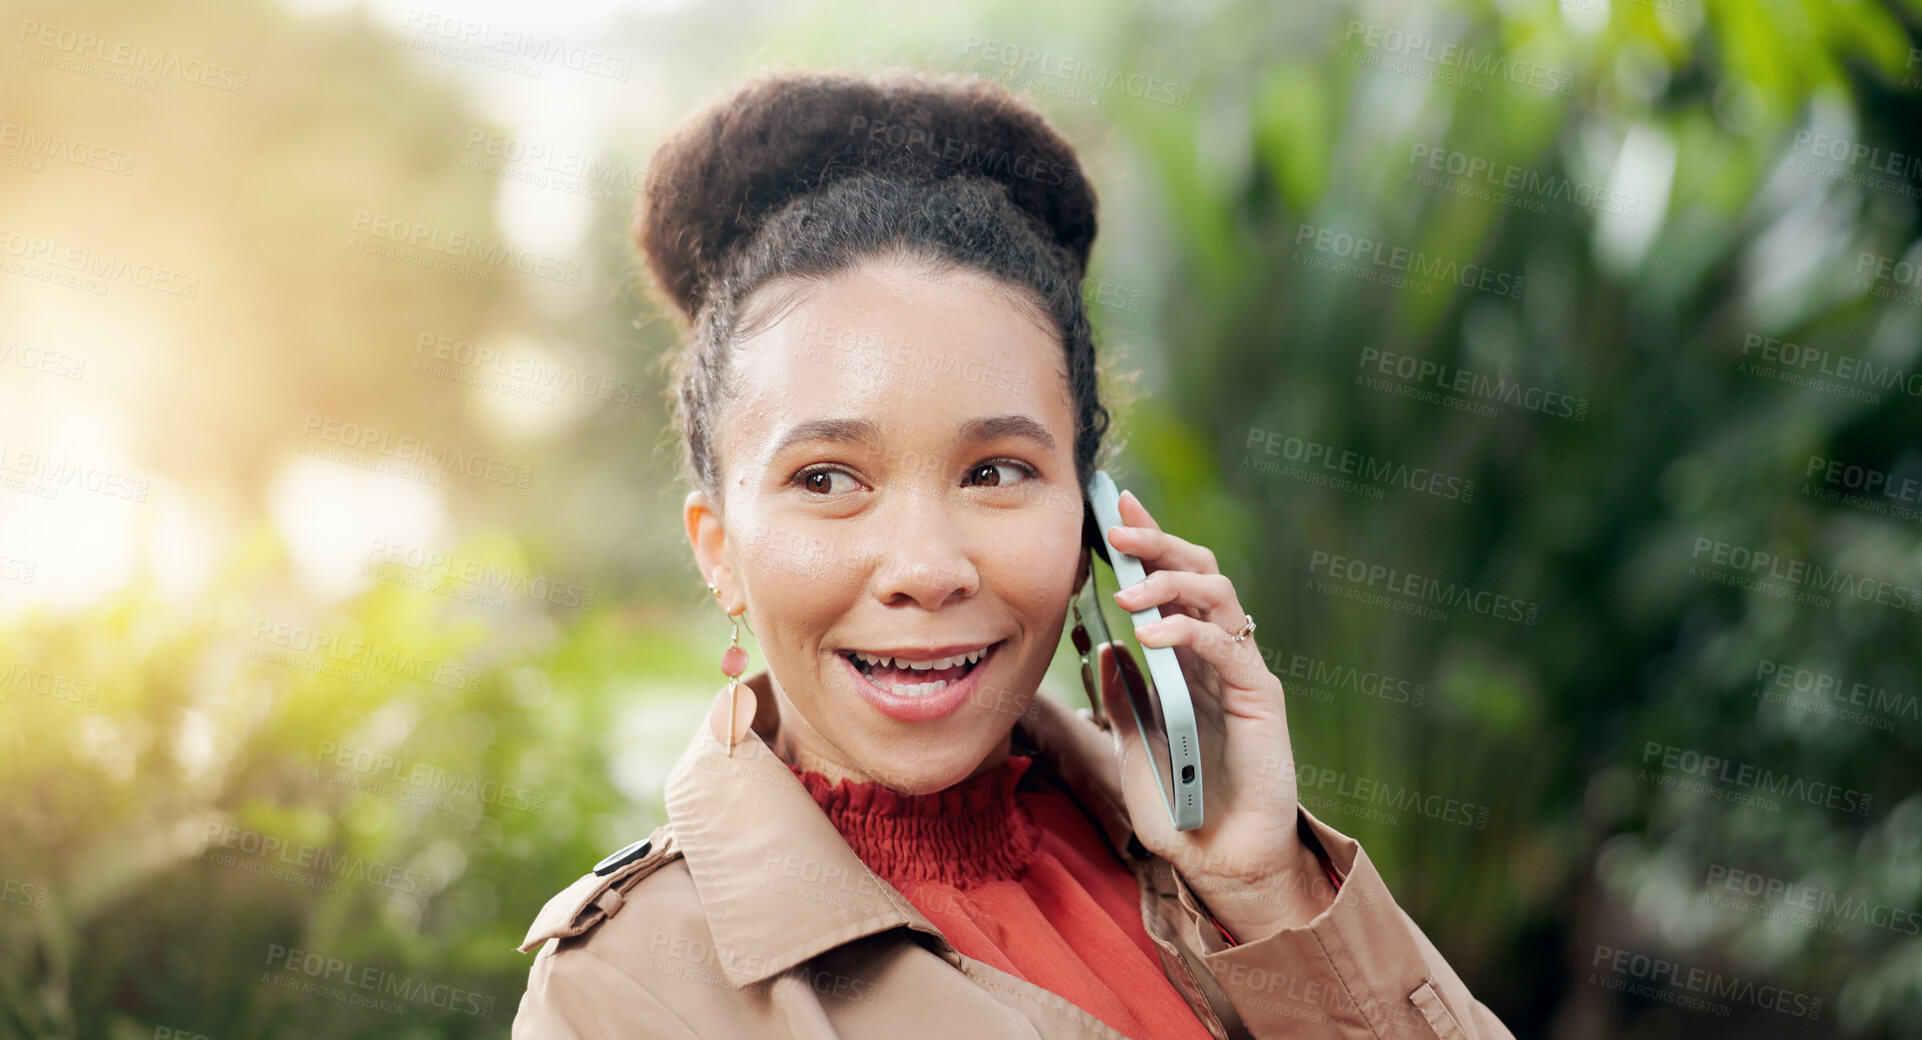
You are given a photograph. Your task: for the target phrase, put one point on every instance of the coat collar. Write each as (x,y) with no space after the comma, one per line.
(779,884)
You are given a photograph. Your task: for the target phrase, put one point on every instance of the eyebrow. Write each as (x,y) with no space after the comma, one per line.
(863,431)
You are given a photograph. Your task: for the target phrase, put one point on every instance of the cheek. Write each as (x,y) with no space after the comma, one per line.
(800,587)
(1037,569)
(785,558)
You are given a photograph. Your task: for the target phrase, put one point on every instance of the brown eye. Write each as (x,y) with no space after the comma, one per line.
(1021,470)
(821,481)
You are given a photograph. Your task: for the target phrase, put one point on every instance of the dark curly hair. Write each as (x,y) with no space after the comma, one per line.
(805,174)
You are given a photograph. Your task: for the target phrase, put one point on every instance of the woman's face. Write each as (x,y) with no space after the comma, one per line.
(899,482)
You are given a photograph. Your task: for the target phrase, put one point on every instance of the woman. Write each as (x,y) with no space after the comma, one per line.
(889,409)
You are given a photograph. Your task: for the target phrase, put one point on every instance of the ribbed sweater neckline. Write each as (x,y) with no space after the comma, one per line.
(972,832)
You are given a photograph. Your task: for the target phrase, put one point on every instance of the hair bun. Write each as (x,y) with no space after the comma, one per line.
(716,177)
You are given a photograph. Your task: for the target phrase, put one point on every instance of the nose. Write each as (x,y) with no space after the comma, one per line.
(927,561)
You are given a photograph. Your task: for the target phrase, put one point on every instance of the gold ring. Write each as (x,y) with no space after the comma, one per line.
(1247,629)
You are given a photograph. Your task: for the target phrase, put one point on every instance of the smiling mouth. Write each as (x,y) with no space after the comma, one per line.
(905,678)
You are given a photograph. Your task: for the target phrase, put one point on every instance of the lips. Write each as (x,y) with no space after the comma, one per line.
(909,694)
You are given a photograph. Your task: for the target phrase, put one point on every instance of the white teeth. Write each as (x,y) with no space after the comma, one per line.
(921,666)
(919,689)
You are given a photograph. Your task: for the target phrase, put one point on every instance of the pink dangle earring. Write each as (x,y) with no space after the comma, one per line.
(733,663)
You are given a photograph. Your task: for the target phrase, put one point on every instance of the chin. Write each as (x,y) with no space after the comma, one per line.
(923,775)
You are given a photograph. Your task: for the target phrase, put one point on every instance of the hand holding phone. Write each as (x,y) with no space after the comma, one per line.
(1164,712)
(1237,865)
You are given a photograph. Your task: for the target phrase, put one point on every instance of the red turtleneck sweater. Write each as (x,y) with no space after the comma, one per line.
(1022,881)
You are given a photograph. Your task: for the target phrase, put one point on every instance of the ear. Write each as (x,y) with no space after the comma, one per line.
(1090,534)
(709,541)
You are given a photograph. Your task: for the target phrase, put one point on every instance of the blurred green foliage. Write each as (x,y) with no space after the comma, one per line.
(202,792)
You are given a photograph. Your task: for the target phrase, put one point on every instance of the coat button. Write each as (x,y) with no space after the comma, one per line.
(622,858)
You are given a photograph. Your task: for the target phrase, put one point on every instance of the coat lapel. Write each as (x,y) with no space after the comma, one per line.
(777,882)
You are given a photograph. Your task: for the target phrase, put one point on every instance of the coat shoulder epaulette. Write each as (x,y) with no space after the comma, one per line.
(599,893)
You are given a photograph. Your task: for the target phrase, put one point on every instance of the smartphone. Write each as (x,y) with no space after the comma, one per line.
(1163,710)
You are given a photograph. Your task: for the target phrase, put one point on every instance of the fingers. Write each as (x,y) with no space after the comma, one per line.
(1134,513)
(1144,540)
(1185,576)
(1211,597)
(1239,664)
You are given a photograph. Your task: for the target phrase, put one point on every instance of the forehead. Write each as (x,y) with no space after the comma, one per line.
(913,350)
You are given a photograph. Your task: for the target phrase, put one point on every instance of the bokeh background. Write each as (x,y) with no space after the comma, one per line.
(1548,376)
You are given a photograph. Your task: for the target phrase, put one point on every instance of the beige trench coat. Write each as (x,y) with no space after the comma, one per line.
(746,915)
